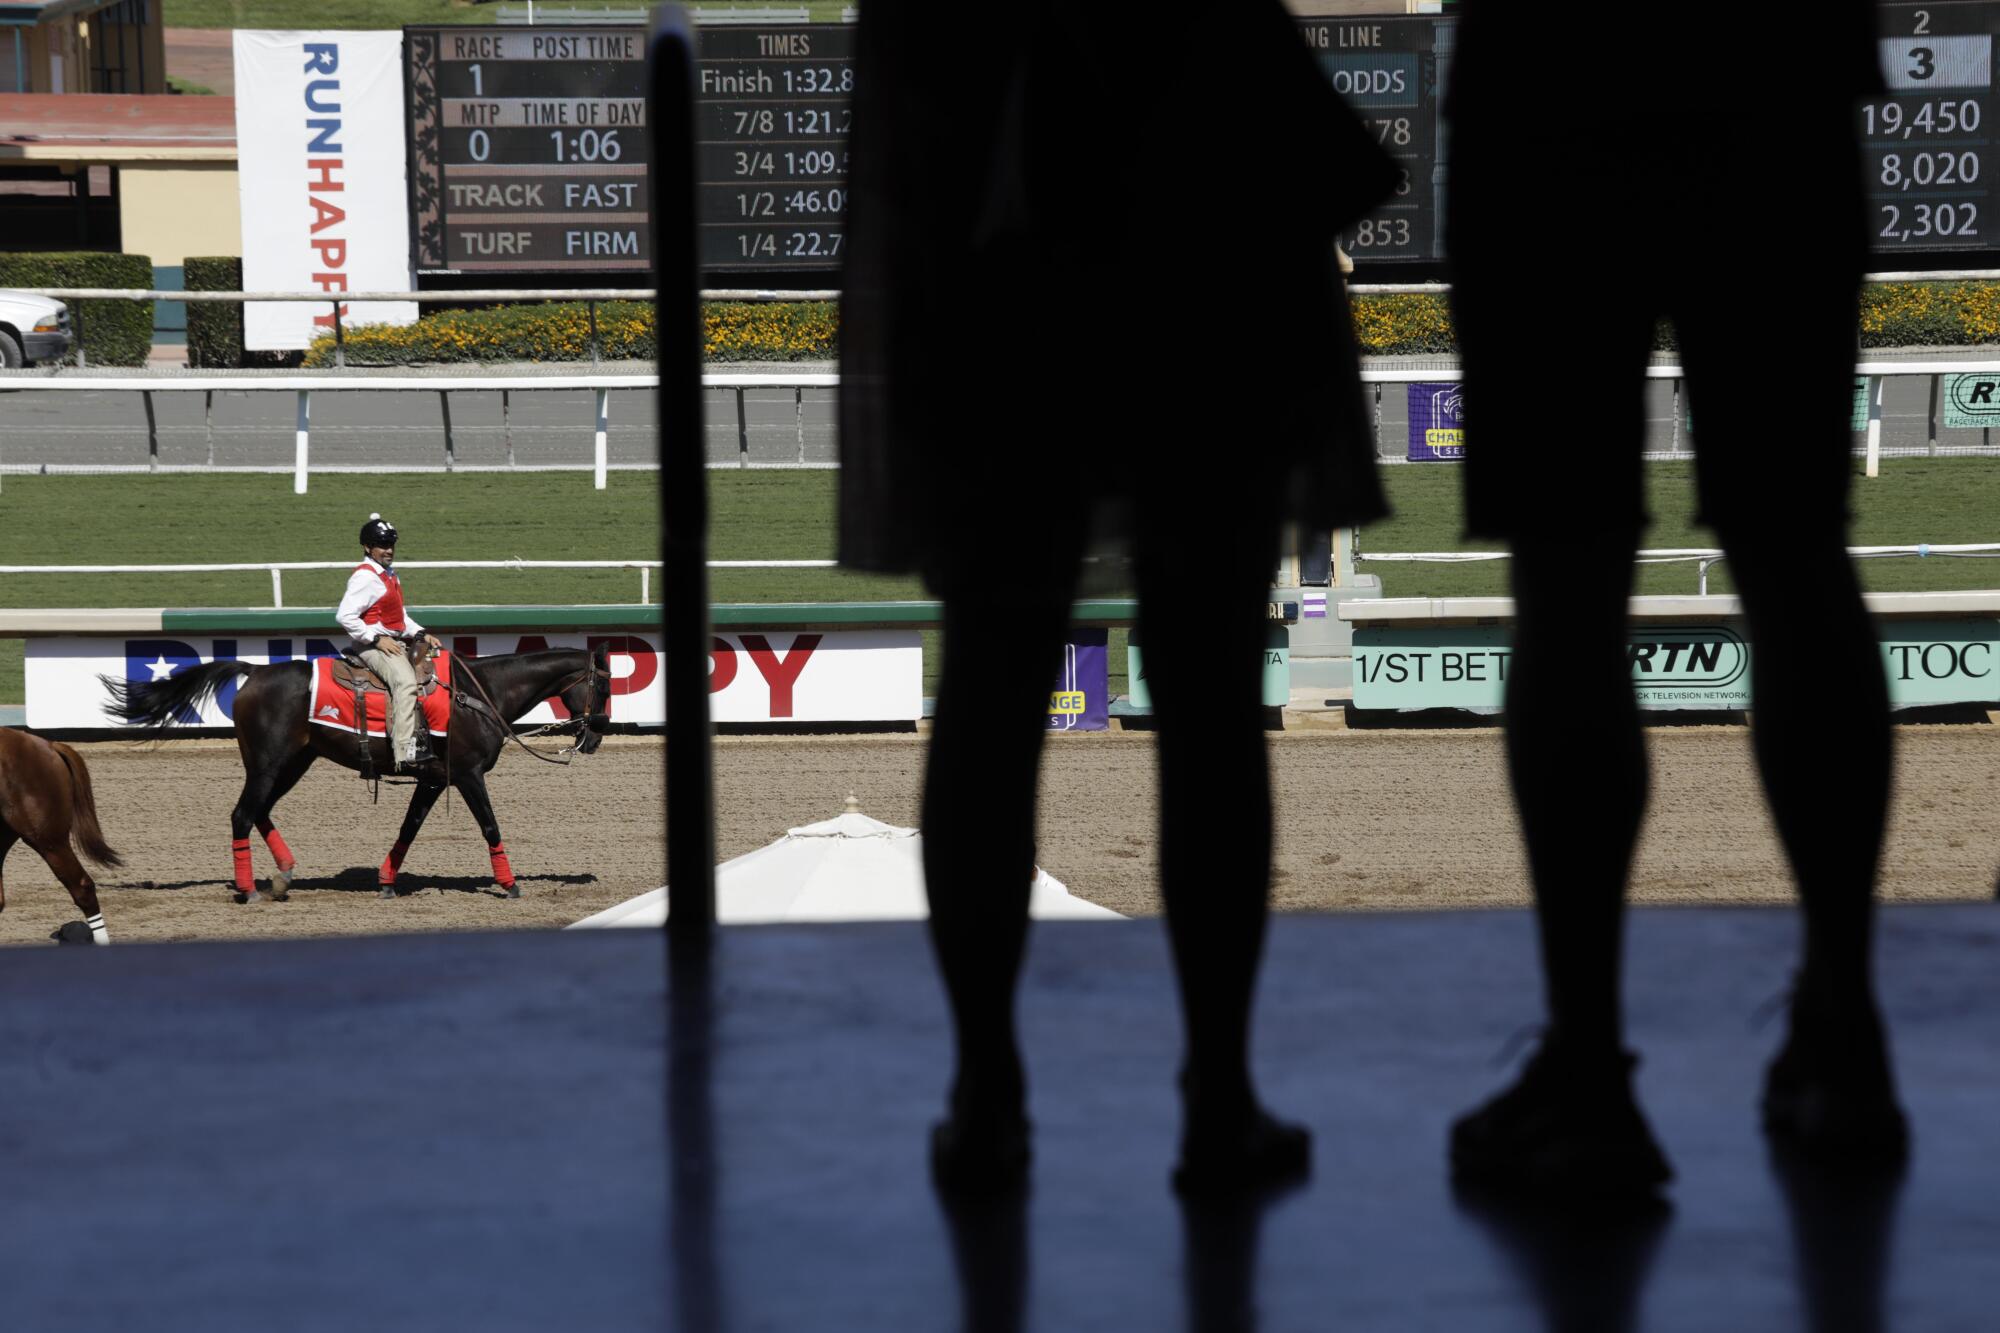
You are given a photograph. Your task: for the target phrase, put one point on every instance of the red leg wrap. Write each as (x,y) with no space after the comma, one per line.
(502,871)
(240,849)
(276,842)
(392,864)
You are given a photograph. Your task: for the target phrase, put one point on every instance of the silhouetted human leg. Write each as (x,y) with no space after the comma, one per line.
(1000,659)
(1782,516)
(1578,766)
(1815,658)
(1203,627)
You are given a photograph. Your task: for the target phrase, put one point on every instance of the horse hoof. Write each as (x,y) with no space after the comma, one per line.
(253,896)
(281,885)
(388,890)
(513,890)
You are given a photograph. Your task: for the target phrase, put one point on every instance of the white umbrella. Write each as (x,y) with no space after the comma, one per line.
(849,868)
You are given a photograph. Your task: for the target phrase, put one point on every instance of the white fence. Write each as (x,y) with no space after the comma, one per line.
(303,387)
(778,425)
(1702,557)
(278,568)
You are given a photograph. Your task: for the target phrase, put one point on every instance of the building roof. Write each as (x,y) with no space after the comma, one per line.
(116,127)
(20,13)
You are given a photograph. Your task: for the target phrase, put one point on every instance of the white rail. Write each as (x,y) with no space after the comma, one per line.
(1700,556)
(308,384)
(277,568)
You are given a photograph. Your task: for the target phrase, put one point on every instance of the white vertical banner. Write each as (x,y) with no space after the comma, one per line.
(319,148)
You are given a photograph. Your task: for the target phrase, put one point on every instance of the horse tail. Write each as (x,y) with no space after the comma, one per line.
(154,704)
(83,809)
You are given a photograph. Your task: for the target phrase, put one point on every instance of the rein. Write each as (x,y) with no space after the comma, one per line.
(575,726)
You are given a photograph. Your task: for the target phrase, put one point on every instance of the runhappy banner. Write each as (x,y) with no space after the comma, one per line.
(319,156)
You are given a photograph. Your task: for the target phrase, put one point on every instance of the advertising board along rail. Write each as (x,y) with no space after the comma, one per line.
(1416,654)
(769,664)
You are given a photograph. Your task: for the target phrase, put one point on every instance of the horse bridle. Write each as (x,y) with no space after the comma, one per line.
(574,727)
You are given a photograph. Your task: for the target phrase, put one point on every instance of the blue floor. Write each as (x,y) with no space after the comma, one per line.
(472,1132)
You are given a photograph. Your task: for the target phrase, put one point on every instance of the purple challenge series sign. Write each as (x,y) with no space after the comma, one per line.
(1437,423)
(1081,699)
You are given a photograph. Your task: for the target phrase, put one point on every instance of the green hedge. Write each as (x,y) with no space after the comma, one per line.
(115,333)
(1909,314)
(215,328)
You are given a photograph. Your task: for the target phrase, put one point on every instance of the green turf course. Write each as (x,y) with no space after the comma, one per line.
(194,518)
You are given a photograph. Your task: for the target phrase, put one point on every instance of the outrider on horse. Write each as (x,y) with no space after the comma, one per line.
(278,739)
(45,801)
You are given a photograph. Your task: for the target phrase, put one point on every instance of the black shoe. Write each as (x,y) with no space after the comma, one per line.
(1829,1094)
(979,1158)
(1568,1126)
(1262,1154)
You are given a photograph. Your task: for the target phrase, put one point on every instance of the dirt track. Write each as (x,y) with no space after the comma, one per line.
(1378,819)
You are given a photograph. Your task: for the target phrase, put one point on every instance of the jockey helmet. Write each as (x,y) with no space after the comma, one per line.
(378,531)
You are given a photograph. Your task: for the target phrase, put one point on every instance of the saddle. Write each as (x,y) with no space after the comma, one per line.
(350,671)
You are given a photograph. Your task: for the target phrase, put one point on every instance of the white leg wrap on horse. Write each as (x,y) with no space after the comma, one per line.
(98,934)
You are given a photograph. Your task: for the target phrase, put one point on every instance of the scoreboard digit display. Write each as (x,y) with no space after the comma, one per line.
(771,123)
(1927,147)
(528,149)
(1391,72)
(529,145)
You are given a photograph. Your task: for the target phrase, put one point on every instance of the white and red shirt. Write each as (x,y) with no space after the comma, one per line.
(373,605)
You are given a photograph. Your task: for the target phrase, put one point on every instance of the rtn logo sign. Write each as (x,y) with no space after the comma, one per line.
(1709,658)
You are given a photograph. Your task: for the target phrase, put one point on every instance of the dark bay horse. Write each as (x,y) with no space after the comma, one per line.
(45,801)
(279,743)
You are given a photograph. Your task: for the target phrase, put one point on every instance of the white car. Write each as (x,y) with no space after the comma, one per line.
(33,329)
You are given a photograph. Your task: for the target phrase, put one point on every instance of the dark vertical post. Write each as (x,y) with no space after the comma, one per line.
(683,493)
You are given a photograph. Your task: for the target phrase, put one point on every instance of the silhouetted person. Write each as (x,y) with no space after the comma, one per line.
(1638,201)
(1091,273)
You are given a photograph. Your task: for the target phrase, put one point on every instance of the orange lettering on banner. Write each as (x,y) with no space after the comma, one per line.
(325,166)
(332,251)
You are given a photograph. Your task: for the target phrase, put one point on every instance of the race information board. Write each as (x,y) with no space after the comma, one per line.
(528,149)
(1928,146)
(772,114)
(1391,72)
(529,145)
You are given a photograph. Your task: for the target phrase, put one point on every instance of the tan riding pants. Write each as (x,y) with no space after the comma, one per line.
(401,677)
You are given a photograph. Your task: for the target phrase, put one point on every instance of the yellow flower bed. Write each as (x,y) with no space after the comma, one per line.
(1943,314)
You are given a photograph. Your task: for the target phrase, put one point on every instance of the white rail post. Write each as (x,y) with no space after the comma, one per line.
(645,584)
(603,415)
(1875,427)
(305,429)
(277,587)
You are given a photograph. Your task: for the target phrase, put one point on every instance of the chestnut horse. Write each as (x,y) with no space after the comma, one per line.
(279,742)
(45,801)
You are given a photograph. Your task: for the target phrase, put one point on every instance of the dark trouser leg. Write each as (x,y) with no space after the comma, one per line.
(1578,765)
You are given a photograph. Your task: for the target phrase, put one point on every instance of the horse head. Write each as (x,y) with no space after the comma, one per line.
(588,699)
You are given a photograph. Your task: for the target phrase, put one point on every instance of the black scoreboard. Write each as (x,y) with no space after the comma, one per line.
(1391,73)
(1927,147)
(528,149)
(529,145)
